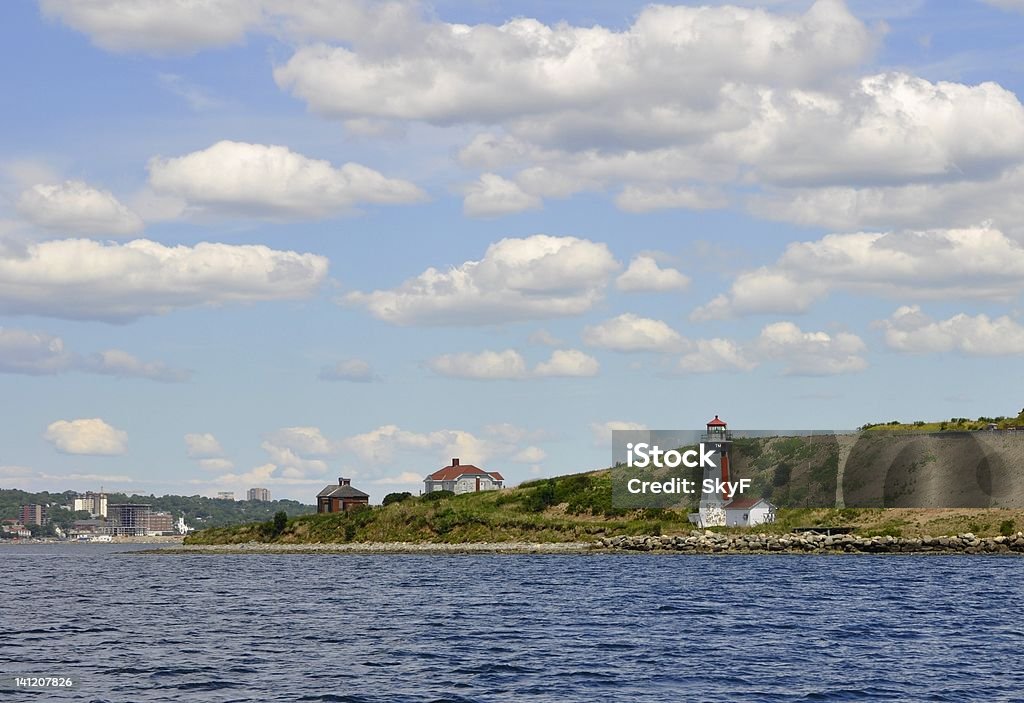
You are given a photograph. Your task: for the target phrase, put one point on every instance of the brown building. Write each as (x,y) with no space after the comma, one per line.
(336,499)
(161,522)
(33,515)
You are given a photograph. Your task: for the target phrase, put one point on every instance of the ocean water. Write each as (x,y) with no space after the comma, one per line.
(631,627)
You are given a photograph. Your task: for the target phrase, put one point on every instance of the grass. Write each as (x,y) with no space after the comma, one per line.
(577,508)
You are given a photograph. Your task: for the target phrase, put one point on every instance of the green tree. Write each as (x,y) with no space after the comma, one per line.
(280,521)
(396,497)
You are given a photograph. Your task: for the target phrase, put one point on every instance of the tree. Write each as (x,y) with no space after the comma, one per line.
(280,521)
(396,497)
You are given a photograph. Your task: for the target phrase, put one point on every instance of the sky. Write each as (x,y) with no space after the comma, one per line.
(266,243)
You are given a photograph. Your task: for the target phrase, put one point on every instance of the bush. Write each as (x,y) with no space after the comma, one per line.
(436,495)
(396,497)
(543,496)
(1006,528)
(280,521)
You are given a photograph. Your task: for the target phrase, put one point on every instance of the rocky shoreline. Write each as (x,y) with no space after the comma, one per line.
(381,548)
(696,542)
(709,542)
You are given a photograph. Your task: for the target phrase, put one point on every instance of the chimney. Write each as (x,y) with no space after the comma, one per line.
(455,461)
(344,481)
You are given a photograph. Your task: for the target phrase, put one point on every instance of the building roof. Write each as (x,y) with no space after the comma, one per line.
(744,503)
(716,422)
(346,491)
(455,471)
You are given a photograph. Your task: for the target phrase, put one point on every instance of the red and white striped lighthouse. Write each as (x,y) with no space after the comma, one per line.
(719,436)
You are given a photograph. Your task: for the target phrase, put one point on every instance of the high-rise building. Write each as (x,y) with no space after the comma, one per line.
(33,514)
(225,495)
(128,519)
(95,503)
(260,494)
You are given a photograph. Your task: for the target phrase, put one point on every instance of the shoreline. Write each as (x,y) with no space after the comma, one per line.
(695,543)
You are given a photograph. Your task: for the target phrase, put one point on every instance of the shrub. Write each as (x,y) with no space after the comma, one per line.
(437,495)
(396,497)
(1006,528)
(280,521)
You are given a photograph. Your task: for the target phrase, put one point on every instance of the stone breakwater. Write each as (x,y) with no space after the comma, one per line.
(709,542)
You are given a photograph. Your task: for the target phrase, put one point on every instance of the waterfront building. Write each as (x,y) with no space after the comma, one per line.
(33,514)
(258,494)
(128,519)
(94,503)
(337,499)
(160,523)
(462,478)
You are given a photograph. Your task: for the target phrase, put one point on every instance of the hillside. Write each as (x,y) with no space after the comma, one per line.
(575,508)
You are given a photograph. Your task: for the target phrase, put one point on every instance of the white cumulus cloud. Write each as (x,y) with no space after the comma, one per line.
(492,196)
(86,436)
(85,279)
(355,370)
(536,277)
(272,181)
(910,330)
(76,208)
(631,333)
(644,275)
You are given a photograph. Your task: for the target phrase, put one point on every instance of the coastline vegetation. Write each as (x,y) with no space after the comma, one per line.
(573,508)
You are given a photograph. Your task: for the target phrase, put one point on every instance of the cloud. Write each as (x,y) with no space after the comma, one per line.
(86,436)
(155,26)
(216,464)
(85,279)
(114,362)
(202,445)
(632,333)
(714,355)
(308,441)
(32,353)
(1017,5)
(355,370)
(644,275)
(75,207)
(544,338)
(402,479)
(567,363)
(561,71)
(257,180)
(602,431)
(649,198)
(485,365)
(910,330)
(510,364)
(378,446)
(801,353)
(517,279)
(493,196)
(529,455)
(187,26)
(39,354)
(979,262)
(197,98)
(811,353)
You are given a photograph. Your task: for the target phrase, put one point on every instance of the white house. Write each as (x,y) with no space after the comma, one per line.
(746,512)
(462,478)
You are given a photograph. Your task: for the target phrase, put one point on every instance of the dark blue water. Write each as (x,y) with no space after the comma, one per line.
(511,628)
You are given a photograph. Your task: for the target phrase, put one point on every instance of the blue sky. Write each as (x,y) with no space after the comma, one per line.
(271,243)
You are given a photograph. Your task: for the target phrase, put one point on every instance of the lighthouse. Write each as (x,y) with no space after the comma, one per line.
(719,509)
(712,504)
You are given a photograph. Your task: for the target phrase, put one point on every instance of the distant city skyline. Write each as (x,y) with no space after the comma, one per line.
(266,244)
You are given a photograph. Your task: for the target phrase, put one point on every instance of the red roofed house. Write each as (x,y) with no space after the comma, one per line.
(462,478)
